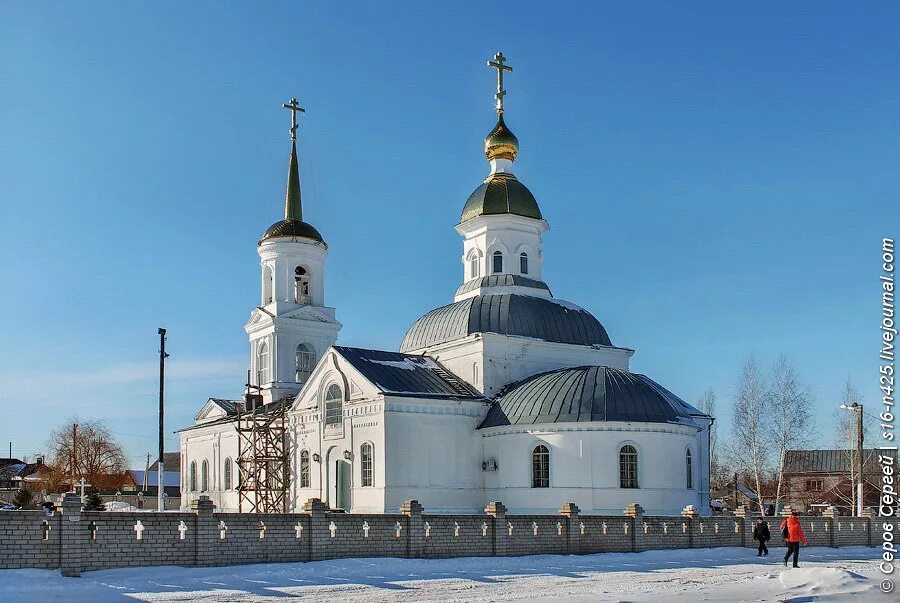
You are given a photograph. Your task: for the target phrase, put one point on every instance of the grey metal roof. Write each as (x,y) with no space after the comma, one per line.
(170,460)
(588,393)
(507,314)
(405,374)
(501,280)
(830,461)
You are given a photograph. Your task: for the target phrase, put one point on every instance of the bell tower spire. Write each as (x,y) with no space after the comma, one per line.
(293,208)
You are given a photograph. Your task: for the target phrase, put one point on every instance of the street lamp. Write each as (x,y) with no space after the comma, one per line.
(858,408)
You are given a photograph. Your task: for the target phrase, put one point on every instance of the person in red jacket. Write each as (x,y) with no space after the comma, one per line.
(794,537)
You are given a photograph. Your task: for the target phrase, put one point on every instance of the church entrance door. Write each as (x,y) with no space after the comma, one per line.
(342,485)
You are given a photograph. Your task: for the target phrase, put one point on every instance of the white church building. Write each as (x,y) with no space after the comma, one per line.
(507,393)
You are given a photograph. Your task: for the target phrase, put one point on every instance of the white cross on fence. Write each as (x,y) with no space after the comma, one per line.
(298,529)
(456,528)
(222,530)
(365,528)
(182,528)
(332,528)
(262,530)
(427,529)
(139,530)
(398,527)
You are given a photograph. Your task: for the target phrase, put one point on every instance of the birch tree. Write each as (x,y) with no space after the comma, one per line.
(748,447)
(791,417)
(846,435)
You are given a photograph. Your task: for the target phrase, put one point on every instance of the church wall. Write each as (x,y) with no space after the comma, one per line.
(213,444)
(584,467)
(434,456)
(363,423)
(502,360)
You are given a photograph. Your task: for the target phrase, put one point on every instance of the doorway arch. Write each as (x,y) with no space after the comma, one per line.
(338,474)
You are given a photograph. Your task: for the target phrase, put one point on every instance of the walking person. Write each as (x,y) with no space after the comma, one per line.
(761,533)
(792,533)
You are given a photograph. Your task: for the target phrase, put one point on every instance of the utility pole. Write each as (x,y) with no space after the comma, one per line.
(859,453)
(160,501)
(74,453)
(735,492)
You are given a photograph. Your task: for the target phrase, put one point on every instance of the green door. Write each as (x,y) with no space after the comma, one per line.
(342,482)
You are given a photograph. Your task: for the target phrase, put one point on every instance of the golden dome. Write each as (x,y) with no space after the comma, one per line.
(501,143)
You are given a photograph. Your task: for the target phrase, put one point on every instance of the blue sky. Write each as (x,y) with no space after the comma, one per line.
(717,179)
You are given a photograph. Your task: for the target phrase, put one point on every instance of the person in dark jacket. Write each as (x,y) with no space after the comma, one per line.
(761,533)
(794,537)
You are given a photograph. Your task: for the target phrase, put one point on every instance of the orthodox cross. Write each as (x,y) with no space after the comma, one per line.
(499,63)
(294,107)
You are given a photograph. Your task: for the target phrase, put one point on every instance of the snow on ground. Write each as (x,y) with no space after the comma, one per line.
(725,574)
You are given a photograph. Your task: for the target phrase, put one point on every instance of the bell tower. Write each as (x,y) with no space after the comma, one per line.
(292,327)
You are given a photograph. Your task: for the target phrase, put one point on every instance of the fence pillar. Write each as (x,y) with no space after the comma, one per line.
(829,514)
(73,536)
(415,529)
(636,513)
(690,513)
(318,527)
(573,532)
(205,524)
(497,511)
(740,517)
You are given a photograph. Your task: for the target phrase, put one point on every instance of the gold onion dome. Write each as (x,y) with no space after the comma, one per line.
(501,143)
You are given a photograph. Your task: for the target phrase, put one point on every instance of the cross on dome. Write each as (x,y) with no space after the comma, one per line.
(294,107)
(499,63)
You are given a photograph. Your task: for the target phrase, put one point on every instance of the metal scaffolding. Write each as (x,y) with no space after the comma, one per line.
(262,456)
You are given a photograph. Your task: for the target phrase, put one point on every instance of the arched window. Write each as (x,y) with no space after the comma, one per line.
(366,464)
(268,296)
(474,266)
(262,364)
(475,374)
(523,263)
(540,467)
(226,474)
(204,477)
(306,361)
(301,285)
(689,468)
(193,476)
(334,405)
(628,467)
(498,262)
(304,468)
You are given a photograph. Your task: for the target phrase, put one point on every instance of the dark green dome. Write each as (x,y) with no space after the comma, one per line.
(295,229)
(501,193)
(508,314)
(589,394)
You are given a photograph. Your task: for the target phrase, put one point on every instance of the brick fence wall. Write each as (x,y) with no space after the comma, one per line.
(77,541)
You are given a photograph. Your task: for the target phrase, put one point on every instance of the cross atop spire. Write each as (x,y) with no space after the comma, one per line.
(294,107)
(499,63)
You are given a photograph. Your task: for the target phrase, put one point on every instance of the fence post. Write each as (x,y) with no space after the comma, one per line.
(497,511)
(636,513)
(570,511)
(318,526)
(415,529)
(740,515)
(73,536)
(829,514)
(690,513)
(204,526)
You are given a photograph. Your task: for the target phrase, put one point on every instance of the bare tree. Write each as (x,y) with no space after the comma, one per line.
(748,449)
(791,416)
(707,404)
(92,453)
